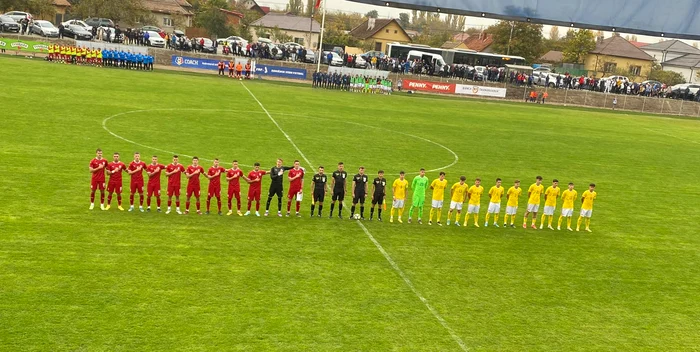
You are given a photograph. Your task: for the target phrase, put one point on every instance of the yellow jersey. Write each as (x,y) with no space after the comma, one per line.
(438,189)
(588,198)
(568,198)
(513,196)
(535,193)
(400,188)
(496,194)
(475,194)
(550,196)
(459,191)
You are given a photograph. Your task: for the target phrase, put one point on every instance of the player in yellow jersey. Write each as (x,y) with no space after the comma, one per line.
(457,194)
(399,194)
(567,207)
(534,198)
(474,195)
(587,207)
(438,186)
(496,193)
(550,203)
(513,196)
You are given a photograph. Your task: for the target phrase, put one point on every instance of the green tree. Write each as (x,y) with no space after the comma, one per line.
(372,14)
(310,7)
(295,7)
(669,77)
(404,20)
(209,17)
(527,40)
(578,45)
(249,16)
(129,11)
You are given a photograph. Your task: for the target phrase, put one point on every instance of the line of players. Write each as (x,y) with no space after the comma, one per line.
(357,83)
(98,57)
(459,192)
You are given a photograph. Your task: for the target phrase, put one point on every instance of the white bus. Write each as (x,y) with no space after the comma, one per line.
(455,56)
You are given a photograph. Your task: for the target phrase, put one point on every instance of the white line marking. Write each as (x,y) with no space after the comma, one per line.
(386,255)
(670,135)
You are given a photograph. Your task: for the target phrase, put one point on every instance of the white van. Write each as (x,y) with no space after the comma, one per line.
(435,59)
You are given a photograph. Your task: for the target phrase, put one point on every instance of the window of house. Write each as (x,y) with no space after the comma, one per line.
(387,31)
(396,31)
(167,21)
(635,70)
(609,67)
(299,40)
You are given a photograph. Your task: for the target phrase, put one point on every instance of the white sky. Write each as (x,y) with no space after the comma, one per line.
(392,12)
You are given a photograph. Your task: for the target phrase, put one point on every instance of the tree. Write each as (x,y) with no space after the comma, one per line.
(249,16)
(578,46)
(669,77)
(527,40)
(295,7)
(129,11)
(554,33)
(404,20)
(372,14)
(209,17)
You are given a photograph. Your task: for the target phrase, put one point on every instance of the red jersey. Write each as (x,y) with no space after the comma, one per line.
(296,184)
(174,179)
(155,179)
(138,176)
(194,180)
(216,181)
(256,175)
(236,182)
(116,169)
(98,176)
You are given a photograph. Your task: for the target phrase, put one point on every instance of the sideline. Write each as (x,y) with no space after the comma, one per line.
(381,249)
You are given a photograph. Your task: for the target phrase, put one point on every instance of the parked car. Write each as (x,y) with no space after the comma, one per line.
(99,22)
(310,57)
(154,39)
(44,29)
(678,91)
(336,60)
(154,29)
(360,62)
(18,15)
(208,46)
(374,53)
(615,78)
(109,35)
(266,41)
(77,32)
(239,40)
(480,70)
(290,45)
(80,23)
(181,42)
(8,24)
(653,83)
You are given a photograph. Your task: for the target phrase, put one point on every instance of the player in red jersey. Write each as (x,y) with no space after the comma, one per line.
(254,179)
(97,169)
(214,176)
(173,172)
(135,169)
(233,176)
(193,171)
(296,184)
(153,170)
(114,170)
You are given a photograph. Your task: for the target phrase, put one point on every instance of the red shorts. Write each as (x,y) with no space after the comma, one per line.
(293,192)
(136,187)
(95,185)
(173,190)
(254,194)
(193,190)
(153,190)
(114,187)
(214,192)
(234,192)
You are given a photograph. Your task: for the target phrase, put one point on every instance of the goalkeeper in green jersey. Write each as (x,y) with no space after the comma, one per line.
(419,186)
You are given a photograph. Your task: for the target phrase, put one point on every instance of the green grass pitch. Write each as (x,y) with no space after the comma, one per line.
(79,280)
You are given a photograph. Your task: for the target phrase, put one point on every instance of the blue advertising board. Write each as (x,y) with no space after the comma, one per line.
(277,71)
(262,70)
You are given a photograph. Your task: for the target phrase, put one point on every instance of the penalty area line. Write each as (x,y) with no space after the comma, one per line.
(376,243)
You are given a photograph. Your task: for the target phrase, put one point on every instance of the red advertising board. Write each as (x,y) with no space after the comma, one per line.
(425,86)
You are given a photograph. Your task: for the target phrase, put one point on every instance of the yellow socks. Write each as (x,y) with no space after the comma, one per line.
(588,223)
(568,222)
(400,212)
(505,219)
(559,222)
(495,219)
(392,213)
(430,218)
(578,222)
(487,217)
(439,215)
(476,219)
(457,217)
(549,223)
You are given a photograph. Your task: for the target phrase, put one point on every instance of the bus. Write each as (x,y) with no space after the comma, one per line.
(455,56)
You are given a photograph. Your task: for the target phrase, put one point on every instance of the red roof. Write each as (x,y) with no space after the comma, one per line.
(265,9)
(638,44)
(235,13)
(479,42)
(460,37)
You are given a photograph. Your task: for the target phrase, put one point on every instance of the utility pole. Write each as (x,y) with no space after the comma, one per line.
(512,25)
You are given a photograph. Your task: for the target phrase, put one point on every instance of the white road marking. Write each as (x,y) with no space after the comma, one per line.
(386,255)
(670,135)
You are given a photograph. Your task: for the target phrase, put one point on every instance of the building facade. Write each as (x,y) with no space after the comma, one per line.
(379,32)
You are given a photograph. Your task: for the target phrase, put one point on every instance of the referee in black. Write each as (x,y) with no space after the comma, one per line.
(378,193)
(276,187)
(359,192)
(339,176)
(318,191)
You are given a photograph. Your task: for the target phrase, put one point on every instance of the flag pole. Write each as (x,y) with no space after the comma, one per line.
(320,42)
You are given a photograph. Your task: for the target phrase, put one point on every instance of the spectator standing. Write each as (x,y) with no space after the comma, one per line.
(146,36)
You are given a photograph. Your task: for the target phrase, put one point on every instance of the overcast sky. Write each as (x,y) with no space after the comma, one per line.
(392,12)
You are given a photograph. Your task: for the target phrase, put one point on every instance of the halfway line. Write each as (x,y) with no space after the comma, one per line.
(386,255)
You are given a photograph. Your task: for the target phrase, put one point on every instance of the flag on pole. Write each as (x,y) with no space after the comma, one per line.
(318,4)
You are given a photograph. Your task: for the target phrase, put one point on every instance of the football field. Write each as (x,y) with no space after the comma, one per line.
(75,279)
